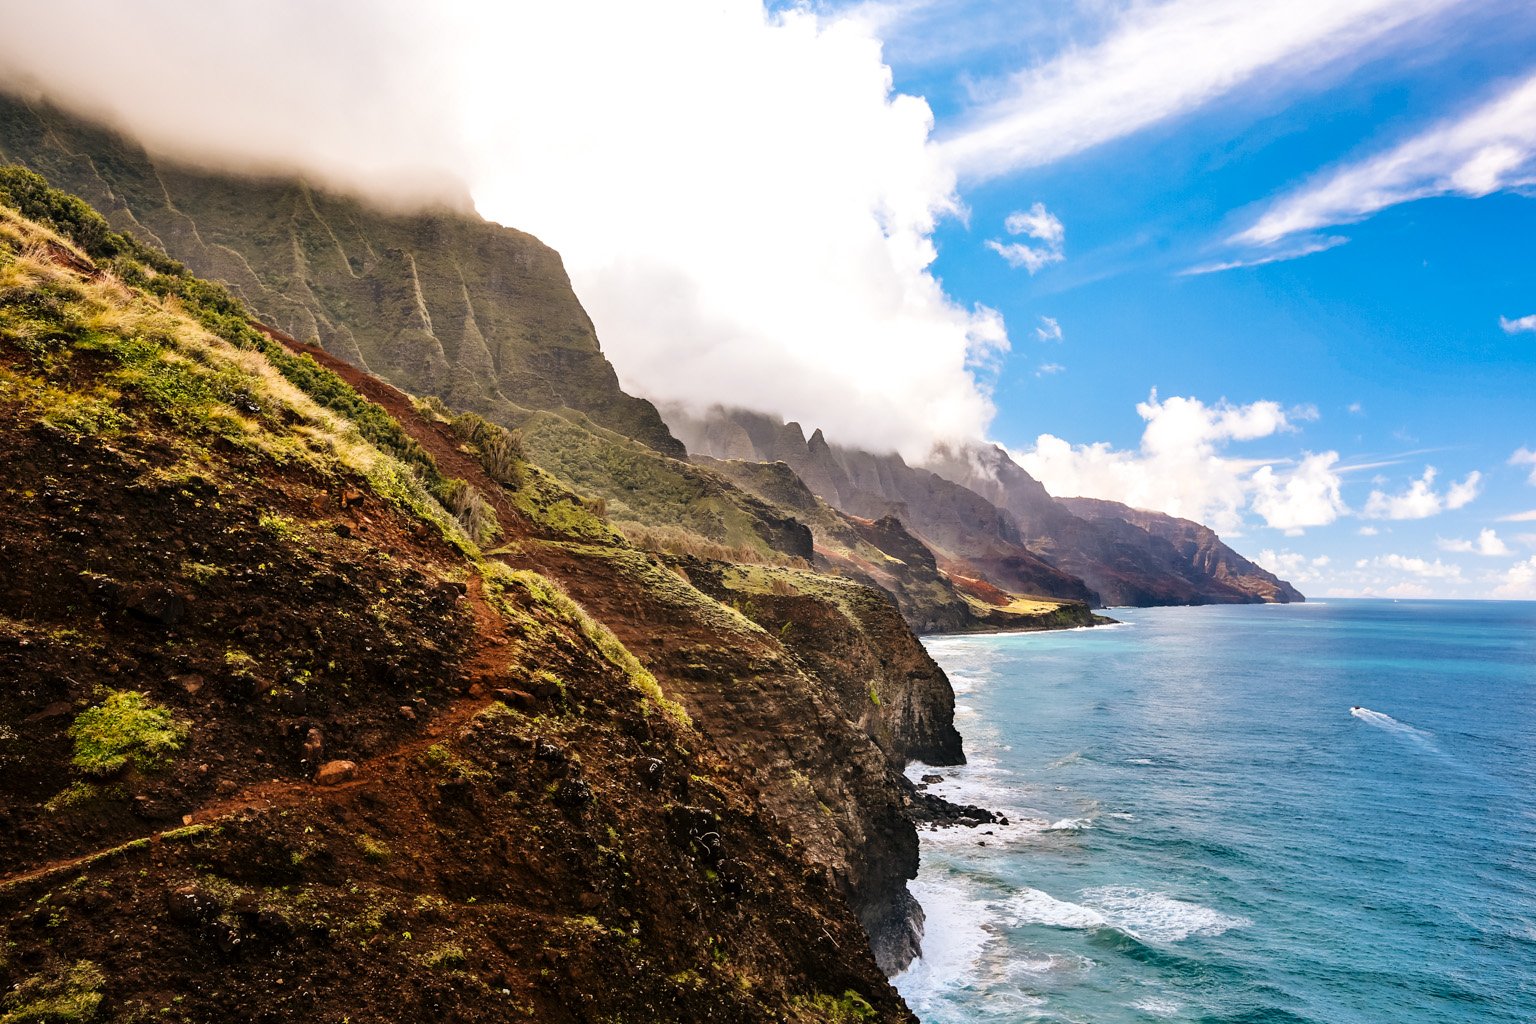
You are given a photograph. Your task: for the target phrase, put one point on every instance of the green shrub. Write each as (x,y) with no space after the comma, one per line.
(850,1008)
(125,728)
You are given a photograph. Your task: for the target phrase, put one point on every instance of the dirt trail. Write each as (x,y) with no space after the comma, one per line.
(439,441)
(490,662)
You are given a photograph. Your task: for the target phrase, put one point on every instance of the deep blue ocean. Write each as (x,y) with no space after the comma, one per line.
(1202,829)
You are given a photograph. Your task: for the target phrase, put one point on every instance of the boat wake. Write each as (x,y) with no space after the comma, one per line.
(1387,722)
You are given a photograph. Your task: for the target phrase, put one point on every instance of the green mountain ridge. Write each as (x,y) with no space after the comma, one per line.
(445,305)
(326,701)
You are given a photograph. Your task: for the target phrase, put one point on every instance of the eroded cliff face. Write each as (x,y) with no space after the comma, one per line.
(341,706)
(440,302)
(1221,574)
(1129,556)
(986,517)
(965,530)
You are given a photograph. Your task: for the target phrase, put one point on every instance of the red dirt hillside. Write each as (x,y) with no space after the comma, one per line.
(280,741)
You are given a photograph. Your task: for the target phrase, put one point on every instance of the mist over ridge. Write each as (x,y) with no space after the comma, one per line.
(763,240)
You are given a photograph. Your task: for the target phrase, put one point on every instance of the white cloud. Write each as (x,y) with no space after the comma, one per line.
(1519,517)
(743,204)
(1487,543)
(1525,457)
(1159,61)
(1049,329)
(1421,500)
(1036,222)
(1293,567)
(1489,149)
(1367,531)
(1518,583)
(1040,224)
(1436,570)
(1046,369)
(1524,323)
(1306,248)
(1356,409)
(1181,469)
(1307,495)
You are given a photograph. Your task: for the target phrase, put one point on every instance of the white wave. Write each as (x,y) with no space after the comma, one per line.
(1031,906)
(955,936)
(1070,825)
(1156,916)
(1156,1007)
(1149,916)
(1065,759)
(1038,964)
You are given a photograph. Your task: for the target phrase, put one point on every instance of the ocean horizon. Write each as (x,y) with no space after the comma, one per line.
(1310,813)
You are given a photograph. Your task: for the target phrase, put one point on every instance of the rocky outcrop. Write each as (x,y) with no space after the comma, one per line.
(1219,574)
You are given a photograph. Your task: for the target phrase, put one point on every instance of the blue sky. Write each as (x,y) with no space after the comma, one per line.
(1386,347)
(905,221)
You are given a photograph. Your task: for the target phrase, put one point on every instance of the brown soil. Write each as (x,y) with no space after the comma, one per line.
(572,858)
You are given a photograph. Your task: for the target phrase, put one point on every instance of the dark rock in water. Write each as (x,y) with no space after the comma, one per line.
(930,809)
(933,778)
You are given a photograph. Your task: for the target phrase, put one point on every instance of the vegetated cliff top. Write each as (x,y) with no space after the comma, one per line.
(439,302)
(445,305)
(304,719)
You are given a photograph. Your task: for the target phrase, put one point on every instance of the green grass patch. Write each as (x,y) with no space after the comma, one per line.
(125,728)
(55,997)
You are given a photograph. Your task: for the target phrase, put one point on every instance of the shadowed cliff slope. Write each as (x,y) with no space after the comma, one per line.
(1131,557)
(965,530)
(440,302)
(991,519)
(1195,551)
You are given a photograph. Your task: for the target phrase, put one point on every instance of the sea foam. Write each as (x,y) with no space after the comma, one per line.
(1148,916)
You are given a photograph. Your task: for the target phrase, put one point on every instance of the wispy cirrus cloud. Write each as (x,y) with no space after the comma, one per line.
(1306,248)
(1488,149)
(1159,61)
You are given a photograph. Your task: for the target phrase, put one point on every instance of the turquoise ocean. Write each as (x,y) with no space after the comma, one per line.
(1202,829)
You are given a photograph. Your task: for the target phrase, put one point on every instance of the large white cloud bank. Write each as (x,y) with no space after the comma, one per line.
(742,201)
